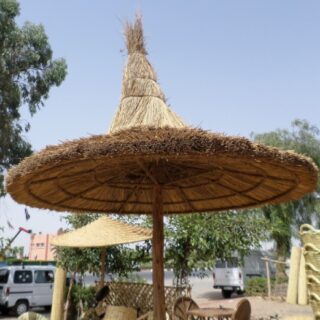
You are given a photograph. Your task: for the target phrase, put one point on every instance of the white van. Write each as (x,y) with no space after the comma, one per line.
(230,275)
(23,287)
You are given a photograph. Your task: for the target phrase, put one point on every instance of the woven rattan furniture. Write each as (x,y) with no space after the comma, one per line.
(182,306)
(151,162)
(120,313)
(243,310)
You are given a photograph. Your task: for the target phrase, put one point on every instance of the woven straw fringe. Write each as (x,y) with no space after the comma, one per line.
(311,270)
(311,240)
(309,235)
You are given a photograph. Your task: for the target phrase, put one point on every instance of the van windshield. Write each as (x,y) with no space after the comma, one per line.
(4,275)
(233,262)
(220,264)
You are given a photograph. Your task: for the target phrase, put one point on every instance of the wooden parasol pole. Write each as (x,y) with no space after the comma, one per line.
(103,261)
(157,254)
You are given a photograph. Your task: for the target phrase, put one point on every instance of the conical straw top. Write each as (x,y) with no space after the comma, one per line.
(142,101)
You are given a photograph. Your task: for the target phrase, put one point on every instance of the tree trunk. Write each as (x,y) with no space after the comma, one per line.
(282,252)
(68,301)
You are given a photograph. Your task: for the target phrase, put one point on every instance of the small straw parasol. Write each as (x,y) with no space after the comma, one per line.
(151,162)
(102,233)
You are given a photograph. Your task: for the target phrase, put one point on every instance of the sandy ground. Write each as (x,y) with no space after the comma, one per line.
(260,307)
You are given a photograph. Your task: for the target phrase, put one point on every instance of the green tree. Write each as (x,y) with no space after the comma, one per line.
(196,240)
(27,72)
(285,219)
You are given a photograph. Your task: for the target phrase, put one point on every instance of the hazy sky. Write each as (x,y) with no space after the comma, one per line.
(228,66)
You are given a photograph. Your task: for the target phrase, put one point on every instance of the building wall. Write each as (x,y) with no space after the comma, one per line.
(41,248)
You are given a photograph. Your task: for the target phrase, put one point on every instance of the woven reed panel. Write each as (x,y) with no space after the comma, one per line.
(140,297)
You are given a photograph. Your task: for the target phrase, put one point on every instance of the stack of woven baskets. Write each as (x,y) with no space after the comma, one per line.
(311,240)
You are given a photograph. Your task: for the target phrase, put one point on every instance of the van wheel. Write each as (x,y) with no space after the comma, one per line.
(4,310)
(21,307)
(226,293)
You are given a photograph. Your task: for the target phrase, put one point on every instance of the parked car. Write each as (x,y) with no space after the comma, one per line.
(230,275)
(24,287)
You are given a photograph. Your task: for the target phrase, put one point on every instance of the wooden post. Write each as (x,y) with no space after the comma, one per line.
(58,294)
(157,255)
(268,277)
(103,261)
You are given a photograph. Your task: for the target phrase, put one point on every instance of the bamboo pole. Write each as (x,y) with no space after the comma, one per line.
(292,294)
(157,255)
(58,294)
(302,285)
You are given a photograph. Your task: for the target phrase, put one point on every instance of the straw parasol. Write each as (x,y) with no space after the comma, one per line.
(151,162)
(102,233)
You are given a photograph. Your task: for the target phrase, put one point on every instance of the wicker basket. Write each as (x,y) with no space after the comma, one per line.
(120,313)
(310,235)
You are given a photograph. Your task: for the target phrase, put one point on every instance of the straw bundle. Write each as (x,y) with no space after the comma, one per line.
(120,313)
(310,235)
(292,294)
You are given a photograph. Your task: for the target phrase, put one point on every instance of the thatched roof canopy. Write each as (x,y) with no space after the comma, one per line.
(204,171)
(103,232)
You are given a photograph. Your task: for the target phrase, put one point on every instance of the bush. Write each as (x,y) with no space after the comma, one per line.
(256,287)
(84,294)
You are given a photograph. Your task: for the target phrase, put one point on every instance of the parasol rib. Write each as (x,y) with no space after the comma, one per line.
(147,172)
